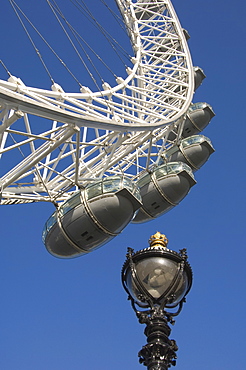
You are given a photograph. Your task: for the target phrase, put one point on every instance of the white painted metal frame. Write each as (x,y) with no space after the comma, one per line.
(88,135)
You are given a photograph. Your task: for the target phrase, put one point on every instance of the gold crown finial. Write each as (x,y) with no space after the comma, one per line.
(158,239)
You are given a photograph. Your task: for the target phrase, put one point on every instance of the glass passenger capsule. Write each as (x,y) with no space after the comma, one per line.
(199,76)
(194,151)
(91,217)
(163,189)
(198,117)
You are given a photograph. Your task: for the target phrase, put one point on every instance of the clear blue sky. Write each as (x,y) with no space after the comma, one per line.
(73,314)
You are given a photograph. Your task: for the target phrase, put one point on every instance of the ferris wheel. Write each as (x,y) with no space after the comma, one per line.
(127,151)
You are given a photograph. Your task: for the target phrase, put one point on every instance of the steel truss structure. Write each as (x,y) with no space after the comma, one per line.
(53,142)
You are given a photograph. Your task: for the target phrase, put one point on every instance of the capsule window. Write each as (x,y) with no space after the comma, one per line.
(94,190)
(128,184)
(195,139)
(111,185)
(48,225)
(71,203)
(144,180)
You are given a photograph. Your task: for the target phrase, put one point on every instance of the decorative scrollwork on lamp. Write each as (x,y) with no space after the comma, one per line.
(157,279)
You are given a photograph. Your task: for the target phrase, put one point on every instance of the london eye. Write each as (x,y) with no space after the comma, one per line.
(118,152)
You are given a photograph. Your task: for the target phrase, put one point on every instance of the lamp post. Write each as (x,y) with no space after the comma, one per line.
(157,279)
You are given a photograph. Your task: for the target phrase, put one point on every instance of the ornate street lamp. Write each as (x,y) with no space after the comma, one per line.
(157,279)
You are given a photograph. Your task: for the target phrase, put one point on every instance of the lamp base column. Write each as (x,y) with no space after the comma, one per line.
(160,352)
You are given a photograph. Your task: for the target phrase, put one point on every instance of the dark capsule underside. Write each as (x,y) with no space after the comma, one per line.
(198,117)
(89,223)
(199,76)
(194,151)
(161,192)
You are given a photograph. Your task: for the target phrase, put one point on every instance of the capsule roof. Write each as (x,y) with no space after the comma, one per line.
(193,150)
(171,168)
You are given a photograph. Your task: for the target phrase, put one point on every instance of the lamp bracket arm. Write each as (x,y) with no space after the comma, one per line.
(170,315)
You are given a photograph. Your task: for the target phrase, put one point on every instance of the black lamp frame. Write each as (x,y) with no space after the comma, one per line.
(160,352)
